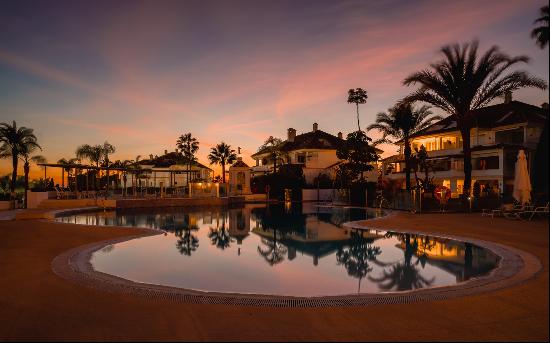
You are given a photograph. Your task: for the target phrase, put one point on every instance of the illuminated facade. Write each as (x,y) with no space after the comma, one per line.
(500,132)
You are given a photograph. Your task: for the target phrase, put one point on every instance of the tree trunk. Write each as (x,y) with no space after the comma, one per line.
(107,172)
(223,172)
(465,133)
(26,169)
(407,164)
(358,126)
(15,161)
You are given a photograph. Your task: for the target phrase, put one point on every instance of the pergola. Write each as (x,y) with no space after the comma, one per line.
(135,172)
(78,166)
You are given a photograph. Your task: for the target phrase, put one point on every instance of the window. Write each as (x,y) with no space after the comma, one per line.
(484,163)
(301,157)
(514,136)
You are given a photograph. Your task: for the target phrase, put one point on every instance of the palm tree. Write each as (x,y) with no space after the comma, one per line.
(272,145)
(222,154)
(540,33)
(14,137)
(24,151)
(357,96)
(66,168)
(463,82)
(402,121)
(188,146)
(107,149)
(97,155)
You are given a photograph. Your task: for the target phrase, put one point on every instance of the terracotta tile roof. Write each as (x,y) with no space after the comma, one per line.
(318,139)
(240,164)
(514,112)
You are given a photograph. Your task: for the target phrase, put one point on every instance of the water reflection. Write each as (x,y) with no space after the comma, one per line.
(297,250)
(357,256)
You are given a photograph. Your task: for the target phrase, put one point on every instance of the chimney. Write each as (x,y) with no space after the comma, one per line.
(291,135)
(507,97)
(165,152)
(340,135)
(151,156)
(315,127)
(544,106)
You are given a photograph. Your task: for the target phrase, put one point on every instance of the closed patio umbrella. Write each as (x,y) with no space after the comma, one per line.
(522,182)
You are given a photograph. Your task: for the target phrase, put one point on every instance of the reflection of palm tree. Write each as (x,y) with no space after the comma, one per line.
(220,237)
(187,242)
(405,276)
(402,277)
(274,253)
(356,258)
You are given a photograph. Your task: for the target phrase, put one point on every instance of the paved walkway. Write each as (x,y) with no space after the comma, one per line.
(8,214)
(35,304)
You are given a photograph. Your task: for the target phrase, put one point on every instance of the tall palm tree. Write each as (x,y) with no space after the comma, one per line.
(400,122)
(188,146)
(24,152)
(463,82)
(13,137)
(357,96)
(540,33)
(222,154)
(107,150)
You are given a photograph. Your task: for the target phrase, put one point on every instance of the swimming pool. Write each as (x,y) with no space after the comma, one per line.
(277,250)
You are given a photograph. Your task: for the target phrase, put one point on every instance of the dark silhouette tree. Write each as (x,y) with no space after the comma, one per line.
(540,33)
(357,154)
(400,122)
(222,154)
(14,138)
(188,146)
(357,96)
(272,146)
(25,150)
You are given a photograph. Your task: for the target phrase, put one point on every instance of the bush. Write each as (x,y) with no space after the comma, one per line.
(288,176)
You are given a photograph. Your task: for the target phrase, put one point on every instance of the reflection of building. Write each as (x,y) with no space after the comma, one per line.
(317,238)
(315,151)
(499,132)
(454,257)
(239,223)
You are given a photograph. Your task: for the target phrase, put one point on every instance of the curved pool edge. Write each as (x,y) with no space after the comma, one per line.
(515,267)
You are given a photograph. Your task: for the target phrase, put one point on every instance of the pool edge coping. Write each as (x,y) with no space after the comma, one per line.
(515,267)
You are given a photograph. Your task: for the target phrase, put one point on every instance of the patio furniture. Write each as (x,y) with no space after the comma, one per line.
(518,212)
(534,212)
(496,212)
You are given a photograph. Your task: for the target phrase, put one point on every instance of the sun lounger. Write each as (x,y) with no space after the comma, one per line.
(534,212)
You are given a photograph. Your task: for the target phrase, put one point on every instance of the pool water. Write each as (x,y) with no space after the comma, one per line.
(277,250)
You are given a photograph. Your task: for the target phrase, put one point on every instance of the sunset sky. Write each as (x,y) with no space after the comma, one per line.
(139,74)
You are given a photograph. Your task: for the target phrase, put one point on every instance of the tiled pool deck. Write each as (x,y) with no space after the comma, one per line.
(37,304)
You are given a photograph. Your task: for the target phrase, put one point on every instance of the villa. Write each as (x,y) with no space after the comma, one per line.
(315,151)
(170,170)
(500,131)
